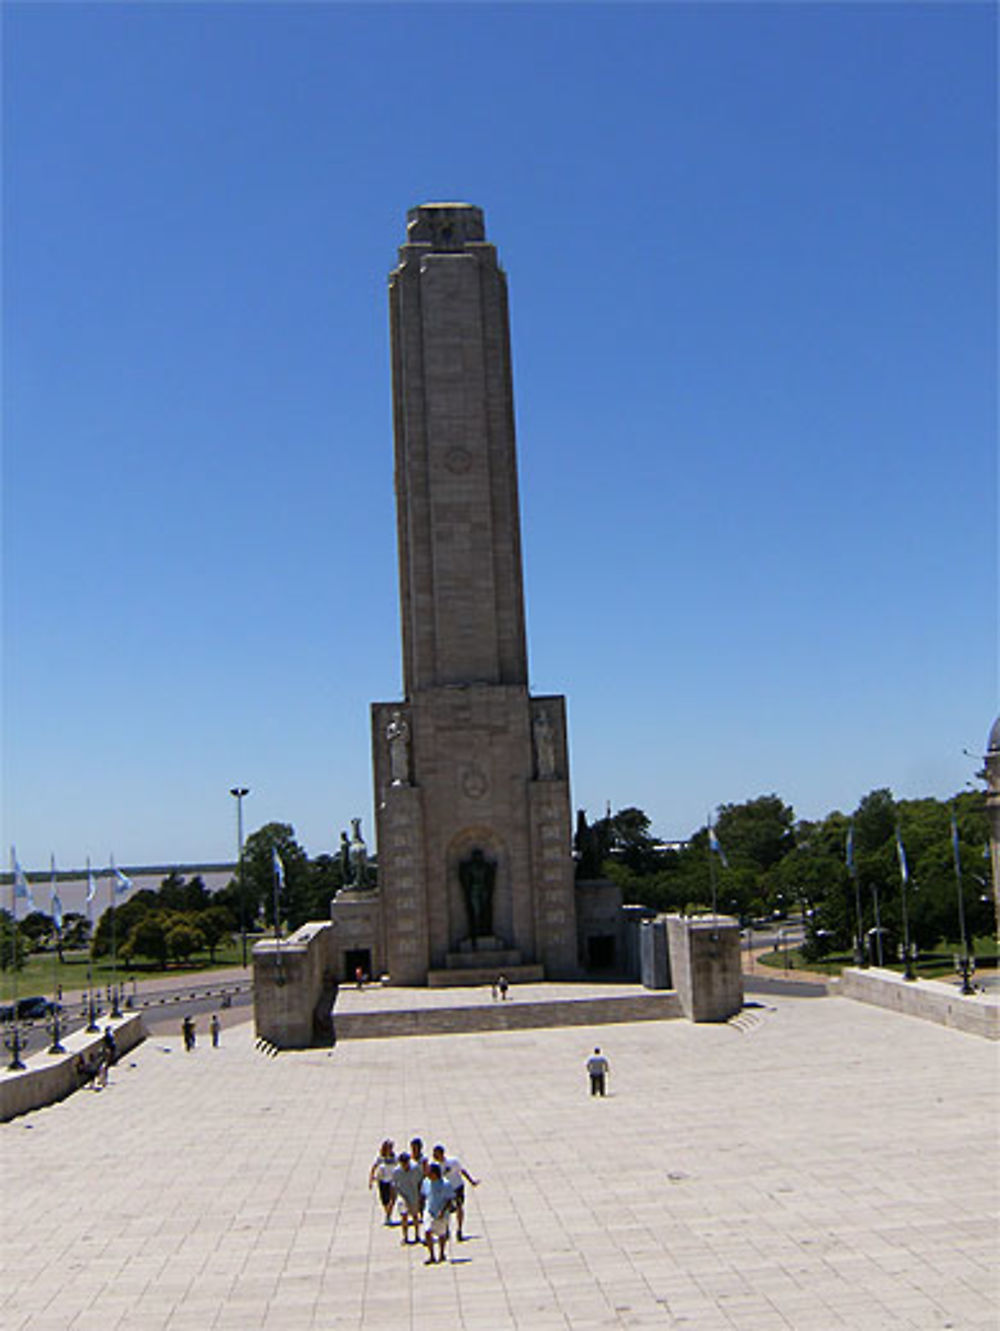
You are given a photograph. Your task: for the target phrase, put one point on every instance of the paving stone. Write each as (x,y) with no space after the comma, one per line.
(828,1173)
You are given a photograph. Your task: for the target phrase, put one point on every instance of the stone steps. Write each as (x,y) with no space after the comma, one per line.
(503,959)
(477,976)
(512,1015)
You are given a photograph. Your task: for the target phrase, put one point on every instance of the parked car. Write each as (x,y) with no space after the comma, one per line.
(33,1009)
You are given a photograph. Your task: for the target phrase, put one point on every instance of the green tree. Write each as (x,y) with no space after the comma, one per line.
(183,940)
(13,953)
(324,879)
(76,930)
(36,929)
(120,919)
(184,895)
(258,873)
(621,838)
(147,938)
(874,821)
(216,926)
(758,832)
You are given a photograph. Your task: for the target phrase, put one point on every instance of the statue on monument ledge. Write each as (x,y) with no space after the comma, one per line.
(354,870)
(398,736)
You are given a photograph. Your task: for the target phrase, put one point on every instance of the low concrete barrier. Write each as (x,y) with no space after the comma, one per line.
(47,1078)
(931,1000)
(510,1016)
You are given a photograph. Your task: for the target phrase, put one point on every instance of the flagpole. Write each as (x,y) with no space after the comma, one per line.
(55,950)
(277,921)
(967,986)
(860,956)
(14,1043)
(13,912)
(278,871)
(91,1014)
(878,925)
(714,848)
(56,1046)
(904,874)
(115,1009)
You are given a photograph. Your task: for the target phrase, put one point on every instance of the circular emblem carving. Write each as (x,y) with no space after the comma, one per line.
(474,782)
(458,460)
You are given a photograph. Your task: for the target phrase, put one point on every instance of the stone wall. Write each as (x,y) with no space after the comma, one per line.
(600,926)
(51,1077)
(292,981)
(931,1000)
(705,966)
(510,1016)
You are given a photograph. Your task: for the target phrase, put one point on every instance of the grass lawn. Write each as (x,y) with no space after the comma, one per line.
(42,972)
(931,965)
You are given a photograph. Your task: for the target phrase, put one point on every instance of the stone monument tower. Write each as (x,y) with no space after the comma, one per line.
(471,773)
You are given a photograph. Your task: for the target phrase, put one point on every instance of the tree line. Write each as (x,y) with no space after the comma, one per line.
(771,865)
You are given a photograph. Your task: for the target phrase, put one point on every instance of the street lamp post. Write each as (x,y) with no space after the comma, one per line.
(238,792)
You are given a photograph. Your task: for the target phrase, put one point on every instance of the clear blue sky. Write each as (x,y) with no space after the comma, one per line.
(751,253)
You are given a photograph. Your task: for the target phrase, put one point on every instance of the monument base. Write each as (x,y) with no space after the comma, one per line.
(705,965)
(483,973)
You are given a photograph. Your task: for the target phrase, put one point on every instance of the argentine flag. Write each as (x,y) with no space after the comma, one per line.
(904,872)
(713,845)
(122,884)
(279,869)
(56,909)
(22,888)
(850,847)
(91,884)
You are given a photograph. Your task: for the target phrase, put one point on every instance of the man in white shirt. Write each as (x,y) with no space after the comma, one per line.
(454,1174)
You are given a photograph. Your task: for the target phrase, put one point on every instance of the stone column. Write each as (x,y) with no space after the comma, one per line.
(486,768)
(705,965)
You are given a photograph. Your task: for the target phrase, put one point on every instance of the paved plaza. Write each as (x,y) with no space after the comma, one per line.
(814,1164)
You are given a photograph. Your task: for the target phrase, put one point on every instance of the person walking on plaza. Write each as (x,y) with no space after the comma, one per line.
(110,1046)
(407,1180)
(187,1028)
(420,1163)
(383,1169)
(454,1174)
(438,1197)
(215,1026)
(597,1067)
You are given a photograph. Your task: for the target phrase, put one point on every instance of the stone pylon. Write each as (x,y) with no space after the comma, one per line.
(471,773)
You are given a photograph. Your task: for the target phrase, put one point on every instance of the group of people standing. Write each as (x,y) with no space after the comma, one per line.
(427,1191)
(92,1069)
(188,1031)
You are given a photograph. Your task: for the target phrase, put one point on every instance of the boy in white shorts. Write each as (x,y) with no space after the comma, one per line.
(453,1173)
(438,1199)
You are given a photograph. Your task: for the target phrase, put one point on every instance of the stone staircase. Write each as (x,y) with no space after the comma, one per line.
(479,961)
(470,975)
(512,1015)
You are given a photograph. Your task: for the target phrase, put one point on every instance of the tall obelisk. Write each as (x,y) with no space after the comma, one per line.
(471,773)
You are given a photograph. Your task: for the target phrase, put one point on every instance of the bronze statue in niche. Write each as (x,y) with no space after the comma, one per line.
(477,875)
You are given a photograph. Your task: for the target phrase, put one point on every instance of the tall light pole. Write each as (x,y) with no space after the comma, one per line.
(237,793)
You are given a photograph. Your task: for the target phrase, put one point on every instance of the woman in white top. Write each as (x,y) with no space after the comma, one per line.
(383,1169)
